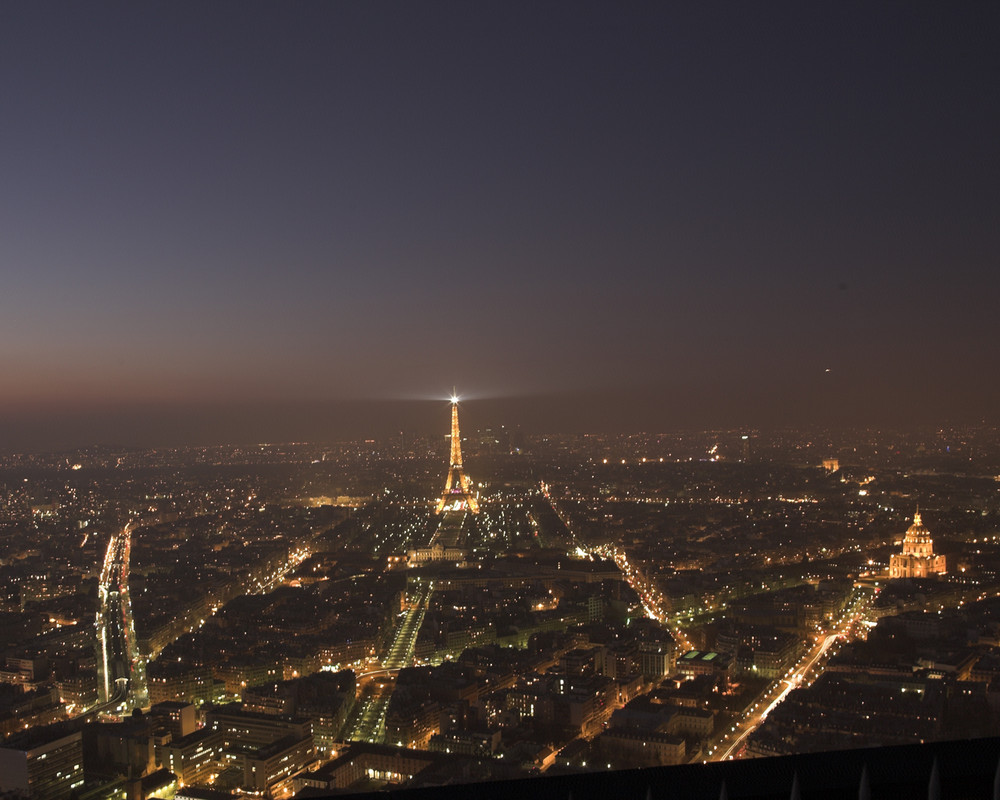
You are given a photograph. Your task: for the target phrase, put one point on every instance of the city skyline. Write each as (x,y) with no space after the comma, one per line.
(233,223)
(284,619)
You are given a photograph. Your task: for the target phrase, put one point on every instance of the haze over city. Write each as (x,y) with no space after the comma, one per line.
(249,222)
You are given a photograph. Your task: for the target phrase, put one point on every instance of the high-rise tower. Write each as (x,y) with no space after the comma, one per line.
(457,491)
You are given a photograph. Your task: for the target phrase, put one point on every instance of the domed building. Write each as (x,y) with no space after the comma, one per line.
(917,559)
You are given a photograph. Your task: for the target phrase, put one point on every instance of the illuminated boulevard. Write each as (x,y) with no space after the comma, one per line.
(122,676)
(803,673)
(810,665)
(368,724)
(651,598)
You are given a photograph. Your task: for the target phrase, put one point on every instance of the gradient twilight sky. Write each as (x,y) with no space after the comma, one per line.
(236,220)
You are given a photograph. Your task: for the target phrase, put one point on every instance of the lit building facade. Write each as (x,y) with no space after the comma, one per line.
(43,764)
(917,559)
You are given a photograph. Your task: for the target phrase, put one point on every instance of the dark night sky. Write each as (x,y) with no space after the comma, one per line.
(238,220)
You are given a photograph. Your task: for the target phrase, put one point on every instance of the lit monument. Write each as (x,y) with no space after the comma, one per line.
(457,494)
(917,559)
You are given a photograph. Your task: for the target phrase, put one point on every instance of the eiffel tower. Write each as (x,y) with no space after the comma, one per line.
(457,491)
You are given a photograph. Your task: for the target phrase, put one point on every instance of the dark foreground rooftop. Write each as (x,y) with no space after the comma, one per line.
(956,770)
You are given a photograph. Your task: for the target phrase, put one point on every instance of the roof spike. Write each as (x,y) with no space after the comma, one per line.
(934,784)
(864,788)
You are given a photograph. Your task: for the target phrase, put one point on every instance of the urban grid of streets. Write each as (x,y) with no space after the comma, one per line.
(368,721)
(121,665)
(727,744)
(808,667)
(123,677)
(853,623)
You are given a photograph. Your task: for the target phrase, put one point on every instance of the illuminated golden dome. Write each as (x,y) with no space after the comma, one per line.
(917,559)
(917,532)
(917,541)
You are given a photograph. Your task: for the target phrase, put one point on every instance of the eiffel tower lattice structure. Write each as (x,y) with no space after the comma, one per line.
(457,494)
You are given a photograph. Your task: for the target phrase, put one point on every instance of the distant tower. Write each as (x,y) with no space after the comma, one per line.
(457,492)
